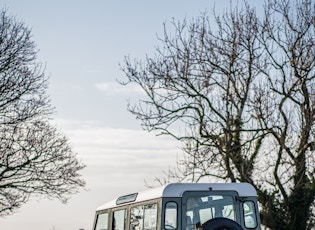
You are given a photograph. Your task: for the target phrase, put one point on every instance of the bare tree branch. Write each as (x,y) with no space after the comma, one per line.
(35,159)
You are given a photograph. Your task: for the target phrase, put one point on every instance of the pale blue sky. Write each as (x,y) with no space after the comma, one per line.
(82,43)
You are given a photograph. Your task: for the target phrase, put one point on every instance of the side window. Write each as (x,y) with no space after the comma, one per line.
(143,217)
(136,218)
(170,215)
(250,214)
(150,216)
(119,220)
(102,221)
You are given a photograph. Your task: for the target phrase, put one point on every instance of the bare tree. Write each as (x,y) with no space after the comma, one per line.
(35,159)
(238,92)
(288,38)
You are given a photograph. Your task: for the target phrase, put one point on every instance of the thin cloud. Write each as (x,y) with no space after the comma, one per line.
(114,88)
(112,151)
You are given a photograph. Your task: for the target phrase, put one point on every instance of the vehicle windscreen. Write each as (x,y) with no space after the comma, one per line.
(201,208)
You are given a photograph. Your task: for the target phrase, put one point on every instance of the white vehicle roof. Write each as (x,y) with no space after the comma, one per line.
(177,190)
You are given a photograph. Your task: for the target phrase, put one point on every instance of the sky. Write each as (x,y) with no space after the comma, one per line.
(82,44)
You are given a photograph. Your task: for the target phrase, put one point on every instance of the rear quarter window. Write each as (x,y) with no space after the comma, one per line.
(102,221)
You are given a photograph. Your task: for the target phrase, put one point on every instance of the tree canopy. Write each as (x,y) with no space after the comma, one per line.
(35,158)
(238,91)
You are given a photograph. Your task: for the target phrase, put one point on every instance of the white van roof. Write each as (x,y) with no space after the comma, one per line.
(177,190)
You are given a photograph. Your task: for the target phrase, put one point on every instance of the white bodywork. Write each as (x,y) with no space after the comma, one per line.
(177,190)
